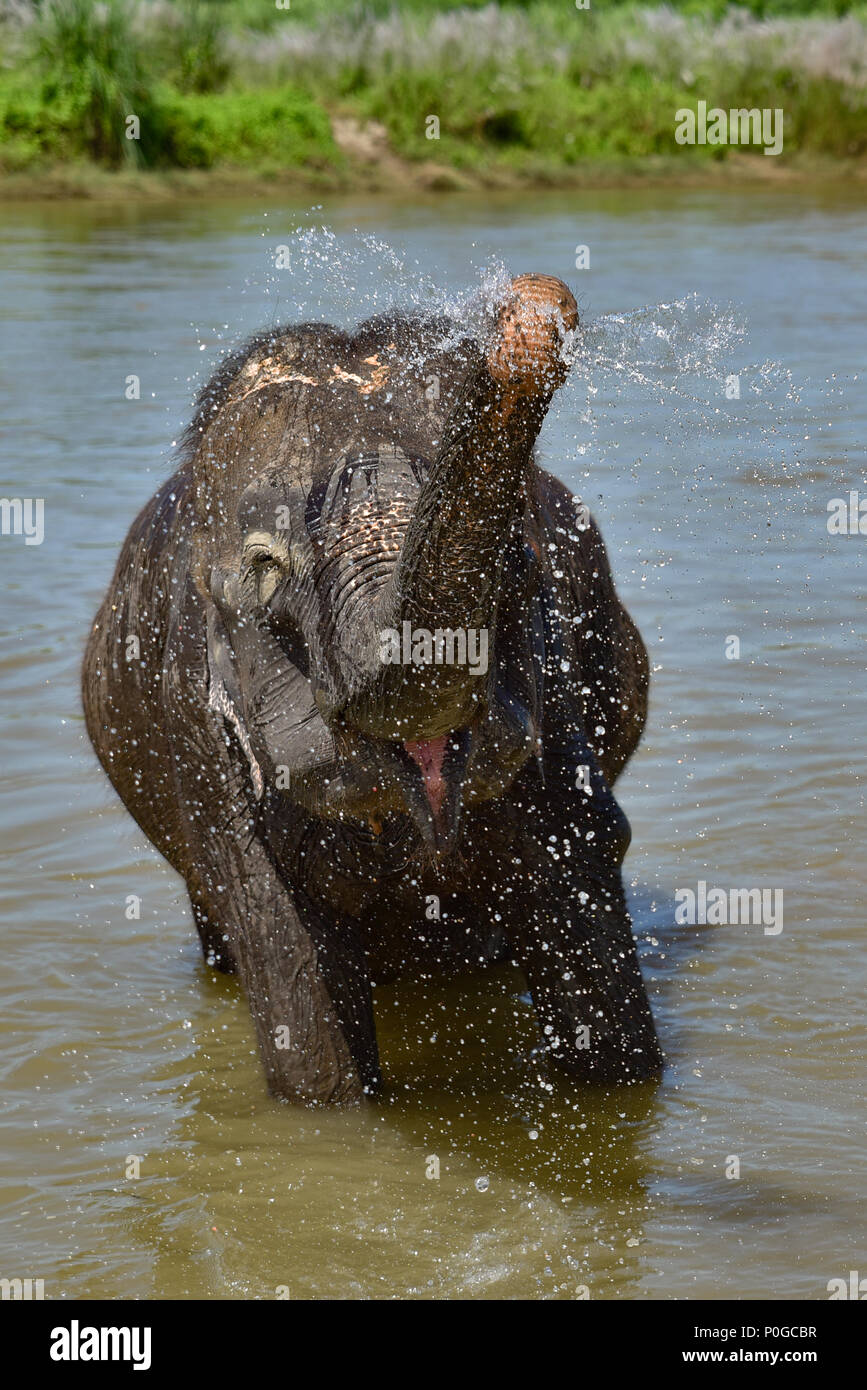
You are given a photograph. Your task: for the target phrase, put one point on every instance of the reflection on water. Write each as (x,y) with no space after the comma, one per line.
(118,1044)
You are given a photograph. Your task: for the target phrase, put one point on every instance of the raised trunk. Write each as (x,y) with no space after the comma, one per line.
(449,567)
(447,579)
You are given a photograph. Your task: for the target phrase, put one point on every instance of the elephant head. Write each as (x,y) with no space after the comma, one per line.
(364,544)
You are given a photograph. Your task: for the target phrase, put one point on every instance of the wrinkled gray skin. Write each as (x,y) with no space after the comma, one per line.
(313,798)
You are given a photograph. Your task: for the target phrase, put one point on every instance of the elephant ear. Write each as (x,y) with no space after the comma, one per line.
(264,698)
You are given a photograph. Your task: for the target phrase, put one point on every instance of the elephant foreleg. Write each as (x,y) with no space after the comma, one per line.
(305,980)
(309,995)
(304,975)
(574,942)
(568,924)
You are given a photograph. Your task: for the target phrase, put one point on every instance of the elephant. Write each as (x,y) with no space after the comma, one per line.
(380,689)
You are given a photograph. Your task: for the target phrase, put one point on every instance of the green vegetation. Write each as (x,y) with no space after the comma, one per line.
(252,14)
(87,68)
(523,89)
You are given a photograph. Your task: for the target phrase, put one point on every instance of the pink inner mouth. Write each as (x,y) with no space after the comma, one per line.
(428,753)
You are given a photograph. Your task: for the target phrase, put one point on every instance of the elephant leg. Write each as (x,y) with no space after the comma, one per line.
(309,994)
(215,942)
(574,942)
(304,975)
(303,972)
(561,896)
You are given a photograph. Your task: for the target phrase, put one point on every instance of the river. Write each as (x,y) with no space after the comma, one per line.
(716,409)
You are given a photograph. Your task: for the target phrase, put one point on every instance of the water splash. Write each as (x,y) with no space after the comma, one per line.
(349,279)
(684,350)
(663,344)
(680,371)
(668,368)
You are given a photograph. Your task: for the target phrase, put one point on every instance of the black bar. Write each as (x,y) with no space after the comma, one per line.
(265,1339)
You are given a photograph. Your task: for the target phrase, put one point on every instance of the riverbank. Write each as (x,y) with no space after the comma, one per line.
(392,176)
(138,100)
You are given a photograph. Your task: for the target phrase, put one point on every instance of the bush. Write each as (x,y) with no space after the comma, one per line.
(268,130)
(93,79)
(91,69)
(189,49)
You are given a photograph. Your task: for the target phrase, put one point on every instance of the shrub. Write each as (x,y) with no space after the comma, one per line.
(93,78)
(268,130)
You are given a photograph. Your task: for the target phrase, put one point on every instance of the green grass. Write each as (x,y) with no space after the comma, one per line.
(90,73)
(92,77)
(552,117)
(530,89)
(262,14)
(267,130)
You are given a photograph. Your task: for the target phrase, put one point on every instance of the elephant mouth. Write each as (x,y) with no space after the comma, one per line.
(435,771)
(431,780)
(428,754)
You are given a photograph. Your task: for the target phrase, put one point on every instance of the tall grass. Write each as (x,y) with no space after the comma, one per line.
(532,86)
(584,45)
(93,76)
(195,57)
(555,87)
(78,70)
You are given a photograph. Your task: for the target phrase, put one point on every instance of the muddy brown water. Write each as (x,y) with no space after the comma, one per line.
(117,1045)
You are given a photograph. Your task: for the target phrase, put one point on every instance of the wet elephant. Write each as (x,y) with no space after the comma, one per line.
(382,689)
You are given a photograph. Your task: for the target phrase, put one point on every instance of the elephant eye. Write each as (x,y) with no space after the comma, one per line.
(264,563)
(259,558)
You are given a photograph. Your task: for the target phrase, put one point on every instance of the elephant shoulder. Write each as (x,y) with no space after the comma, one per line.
(564,521)
(607,654)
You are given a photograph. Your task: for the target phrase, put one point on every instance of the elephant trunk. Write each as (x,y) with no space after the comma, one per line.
(447,578)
